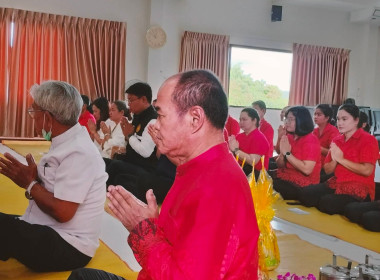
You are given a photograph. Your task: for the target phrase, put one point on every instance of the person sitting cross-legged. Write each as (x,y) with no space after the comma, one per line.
(140,152)
(60,229)
(352,158)
(250,145)
(325,132)
(299,162)
(86,114)
(264,126)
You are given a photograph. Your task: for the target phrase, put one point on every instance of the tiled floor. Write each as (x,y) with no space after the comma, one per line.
(339,247)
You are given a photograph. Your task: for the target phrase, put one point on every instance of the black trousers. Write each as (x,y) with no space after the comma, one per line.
(116,167)
(366,214)
(324,177)
(92,274)
(370,220)
(38,247)
(288,190)
(325,199)
(139,184)
(311,195)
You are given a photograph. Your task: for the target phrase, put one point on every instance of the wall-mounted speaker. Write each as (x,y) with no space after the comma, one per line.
(276,13)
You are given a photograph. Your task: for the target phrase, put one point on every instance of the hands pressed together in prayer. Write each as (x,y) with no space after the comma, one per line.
(336,153)
(281,131)
(22,175)
(153,133)
(105,129)
(91,126)
(285,145)
(126,127)
(129,210)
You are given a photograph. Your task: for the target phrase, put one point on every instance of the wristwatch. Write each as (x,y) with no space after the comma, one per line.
(287,154)
(29,189)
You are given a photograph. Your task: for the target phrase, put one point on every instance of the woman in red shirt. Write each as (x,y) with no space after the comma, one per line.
(86,114)
(299,158)
(265,127)
(325,132)
(352,157)
(251,144)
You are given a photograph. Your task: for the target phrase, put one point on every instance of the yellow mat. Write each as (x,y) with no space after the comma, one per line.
(334,225)
(36,148)
(104,259)
(13,201)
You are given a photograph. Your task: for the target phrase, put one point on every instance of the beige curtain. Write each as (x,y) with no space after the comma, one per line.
(88,53)
(95,51)
(319,75)
(205,51)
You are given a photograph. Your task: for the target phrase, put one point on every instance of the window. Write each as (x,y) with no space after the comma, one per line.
(259,74)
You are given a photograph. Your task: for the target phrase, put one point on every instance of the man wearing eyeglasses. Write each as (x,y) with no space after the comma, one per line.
(60,228)
(140,153)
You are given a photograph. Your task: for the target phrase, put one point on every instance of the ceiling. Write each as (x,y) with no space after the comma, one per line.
(336,5)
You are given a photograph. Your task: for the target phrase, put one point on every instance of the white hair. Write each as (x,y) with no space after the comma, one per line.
(61,99)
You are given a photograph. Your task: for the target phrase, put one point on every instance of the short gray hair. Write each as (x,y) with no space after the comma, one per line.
(61,99)
(201,88)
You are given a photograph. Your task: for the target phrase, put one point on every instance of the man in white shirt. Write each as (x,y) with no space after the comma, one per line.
(60,228)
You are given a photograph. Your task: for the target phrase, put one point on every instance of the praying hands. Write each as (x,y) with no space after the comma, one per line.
(129,210)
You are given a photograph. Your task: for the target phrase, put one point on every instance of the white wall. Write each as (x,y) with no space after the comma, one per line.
(136,13)
(246,21)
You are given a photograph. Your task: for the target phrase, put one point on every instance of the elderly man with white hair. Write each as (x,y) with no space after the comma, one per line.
(60,228)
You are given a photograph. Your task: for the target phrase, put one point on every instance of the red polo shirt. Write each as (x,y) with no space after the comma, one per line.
(232,126)
(303,148)
(361,147)
(268,132)
(328,134)
(254,143)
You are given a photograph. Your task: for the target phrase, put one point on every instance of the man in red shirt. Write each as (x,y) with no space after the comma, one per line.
(265,127)
(206,229)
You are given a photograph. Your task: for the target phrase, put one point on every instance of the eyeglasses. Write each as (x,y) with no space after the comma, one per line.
(129,101)
(289,120)
(32,111)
